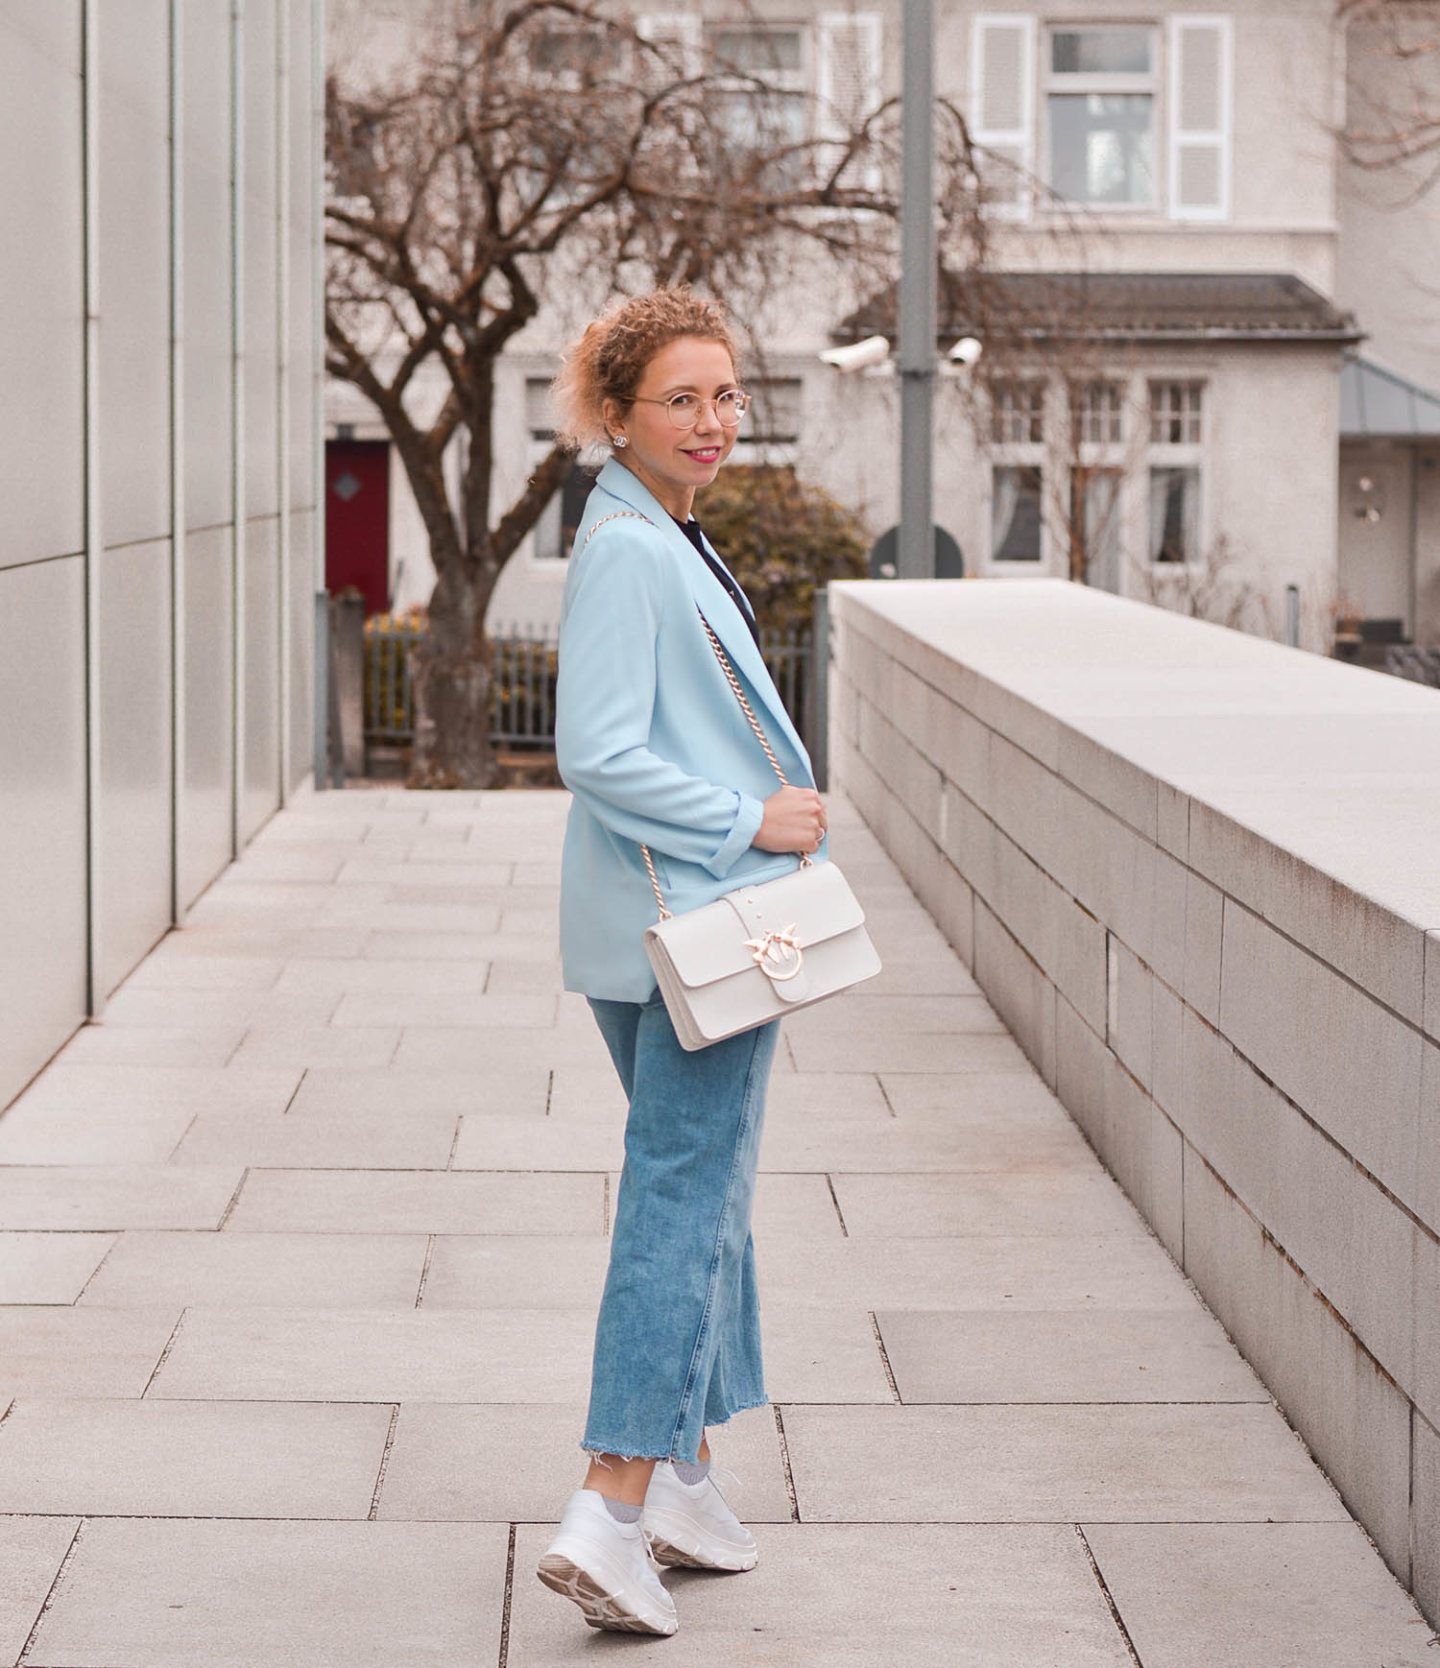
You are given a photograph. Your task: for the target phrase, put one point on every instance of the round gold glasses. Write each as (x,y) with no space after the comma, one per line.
(685,409)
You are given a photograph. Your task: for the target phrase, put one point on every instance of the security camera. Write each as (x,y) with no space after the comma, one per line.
(965,352)
(874,350)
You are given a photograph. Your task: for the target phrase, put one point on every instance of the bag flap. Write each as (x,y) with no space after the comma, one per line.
(709,943)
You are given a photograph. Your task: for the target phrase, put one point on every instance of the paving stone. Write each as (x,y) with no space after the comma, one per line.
(116,1195)
(154,1045)
(929,976)
(897,1015)
(509,977)
(162,970)
(490,1143)
(432,1048)
(114,1090)
(277,1044)
(1288,1595)
(412,946)
(587,1092)
(31,1552)
(516,1091)
(493,1463)
(317,1270)
(445,1009)
(1095,1272)
(152,1593)
(157,1458)
(218,1007)
(445,867)
(1170,1355)
(825,1355)
(1020,1202)
(921,1051)
(893,1145)
(932,1596)
(1018,1097)
(419,1201)
(1133,1462)
(494,1271)
(35,1133)
(795,1098)
(48,1267)
(405,978)
(74,1351)
(377,1355)
(323,1140)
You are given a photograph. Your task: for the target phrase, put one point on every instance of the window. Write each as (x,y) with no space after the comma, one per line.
(1095,525)
(1175,514)
(1176,434)
(1097,413)
(1017,413)
(774,415)
(555,530)
(764,106)
(1100,103)
(1016,513)
(1175,413)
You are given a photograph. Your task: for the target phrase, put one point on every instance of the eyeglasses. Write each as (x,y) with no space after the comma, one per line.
(685,409)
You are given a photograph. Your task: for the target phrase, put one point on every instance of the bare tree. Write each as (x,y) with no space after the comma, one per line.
(1392,117)
(523,147)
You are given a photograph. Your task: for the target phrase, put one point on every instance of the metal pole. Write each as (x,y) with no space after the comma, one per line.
(817,708)
(177,470)
(1292,616)
(916,554)
(90,115)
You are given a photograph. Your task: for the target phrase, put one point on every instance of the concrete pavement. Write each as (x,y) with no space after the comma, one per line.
(299,1255)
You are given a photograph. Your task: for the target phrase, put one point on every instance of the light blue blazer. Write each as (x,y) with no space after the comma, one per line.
(651,741)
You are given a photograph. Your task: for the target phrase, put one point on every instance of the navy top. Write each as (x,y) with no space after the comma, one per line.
(691,530)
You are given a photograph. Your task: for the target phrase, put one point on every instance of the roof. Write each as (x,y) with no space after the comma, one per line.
(1376,402)
(1121,306)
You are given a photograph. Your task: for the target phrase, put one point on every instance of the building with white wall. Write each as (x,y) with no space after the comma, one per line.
(159,440)
(1194,154)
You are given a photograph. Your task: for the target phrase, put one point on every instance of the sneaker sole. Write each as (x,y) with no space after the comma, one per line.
(680,1543)
(600,1607)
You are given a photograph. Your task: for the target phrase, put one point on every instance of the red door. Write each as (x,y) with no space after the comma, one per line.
(357,520)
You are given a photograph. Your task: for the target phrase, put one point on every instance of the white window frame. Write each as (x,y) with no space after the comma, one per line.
(1114,83)
(829,123)
(1184,454)
(1021,454)
(1219,139)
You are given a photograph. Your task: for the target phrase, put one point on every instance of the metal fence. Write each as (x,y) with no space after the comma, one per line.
(523,693)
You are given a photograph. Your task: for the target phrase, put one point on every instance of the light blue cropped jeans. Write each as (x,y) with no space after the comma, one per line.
(677,1344)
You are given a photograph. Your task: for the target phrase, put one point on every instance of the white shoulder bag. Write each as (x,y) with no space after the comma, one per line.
(759,952)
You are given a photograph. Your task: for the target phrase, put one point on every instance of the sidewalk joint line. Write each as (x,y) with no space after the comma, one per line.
(235,1198)
(549,1089)
(884,1357)
(295,1093)
(165,1353)
(605,1207)
(374,1511)
(425,1268)
(455,1141)
(118,1236)
(885,1096)
(50,1594)
(505,1606)
(834,1200)
(1110,1603)
(785,1462)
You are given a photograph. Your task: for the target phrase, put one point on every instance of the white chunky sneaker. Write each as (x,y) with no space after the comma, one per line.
(607,1568)
(689,1524)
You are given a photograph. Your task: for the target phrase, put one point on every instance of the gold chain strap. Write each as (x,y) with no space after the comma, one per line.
(745,706)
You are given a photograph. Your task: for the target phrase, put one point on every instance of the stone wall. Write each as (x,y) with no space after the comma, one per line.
(1198,875)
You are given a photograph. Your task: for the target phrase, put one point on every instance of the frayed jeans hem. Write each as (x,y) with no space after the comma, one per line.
(596,1450)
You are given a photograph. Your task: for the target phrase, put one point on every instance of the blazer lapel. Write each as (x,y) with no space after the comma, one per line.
(711,597)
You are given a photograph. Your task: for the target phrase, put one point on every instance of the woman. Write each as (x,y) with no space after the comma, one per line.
(654,746)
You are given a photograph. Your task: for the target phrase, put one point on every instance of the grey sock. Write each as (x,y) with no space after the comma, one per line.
(620,1511)
(692,1474)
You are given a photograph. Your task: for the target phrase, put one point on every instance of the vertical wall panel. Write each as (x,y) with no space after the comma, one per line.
(261,387)
(206,49)
(209,646)
(41,276)
(134,271)
(302,654)
(42,816)
(135,754)
(301,346)
(261,776)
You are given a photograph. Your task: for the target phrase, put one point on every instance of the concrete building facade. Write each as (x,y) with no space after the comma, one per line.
(159,442)
(1171,143)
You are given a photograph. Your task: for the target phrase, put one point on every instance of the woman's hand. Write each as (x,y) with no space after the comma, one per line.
(794,821)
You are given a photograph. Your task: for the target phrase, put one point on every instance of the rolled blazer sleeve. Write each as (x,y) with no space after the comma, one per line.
(604,707)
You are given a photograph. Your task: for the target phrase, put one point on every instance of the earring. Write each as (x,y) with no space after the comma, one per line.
(619,440)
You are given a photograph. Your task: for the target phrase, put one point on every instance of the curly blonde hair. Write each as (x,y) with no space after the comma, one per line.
(610,358)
